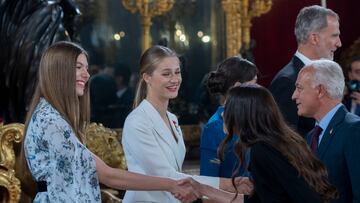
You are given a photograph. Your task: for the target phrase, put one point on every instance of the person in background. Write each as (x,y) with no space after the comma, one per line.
(205,104)
(54,144)
(125,95)
(318,36)
(281,164)
(335,140)
(104,108)
(231,72)
(152,139)
(352,97)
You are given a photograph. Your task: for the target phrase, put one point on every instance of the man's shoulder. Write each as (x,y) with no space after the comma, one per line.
(288,74)
(284,81)
(351,120)
(348,123)
(288,71)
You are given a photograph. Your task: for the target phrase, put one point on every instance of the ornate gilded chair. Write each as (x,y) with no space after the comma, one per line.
(104,142)
(10,189)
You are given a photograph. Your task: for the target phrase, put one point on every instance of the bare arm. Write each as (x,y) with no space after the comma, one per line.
(124,180)
(220,196)
(121,179)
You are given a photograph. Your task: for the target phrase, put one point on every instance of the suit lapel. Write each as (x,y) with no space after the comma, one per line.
(164,132)
(180,150)
(331,130)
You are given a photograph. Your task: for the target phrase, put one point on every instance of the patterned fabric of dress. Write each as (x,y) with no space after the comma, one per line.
(55,155)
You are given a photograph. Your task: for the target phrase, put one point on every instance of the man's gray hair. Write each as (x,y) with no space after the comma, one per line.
(311,19)
(329,74)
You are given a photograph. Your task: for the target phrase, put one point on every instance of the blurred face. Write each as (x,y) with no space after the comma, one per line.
(354,73)
(164,82)
(82,75)
(306,95)
(328,39)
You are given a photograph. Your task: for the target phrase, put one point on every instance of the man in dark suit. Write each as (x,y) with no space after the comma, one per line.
(318,95)
(125,94)
(317,34)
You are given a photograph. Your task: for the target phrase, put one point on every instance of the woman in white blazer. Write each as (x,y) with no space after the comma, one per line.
(152,138)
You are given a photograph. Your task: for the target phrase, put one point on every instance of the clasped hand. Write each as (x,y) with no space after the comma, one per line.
(243,185)
(188,190)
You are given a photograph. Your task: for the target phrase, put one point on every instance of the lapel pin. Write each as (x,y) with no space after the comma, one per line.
(331,131)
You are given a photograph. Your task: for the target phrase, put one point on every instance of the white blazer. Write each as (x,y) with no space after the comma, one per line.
(151,149)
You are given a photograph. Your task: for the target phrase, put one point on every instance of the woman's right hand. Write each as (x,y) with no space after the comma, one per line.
(206,192)
(183,190)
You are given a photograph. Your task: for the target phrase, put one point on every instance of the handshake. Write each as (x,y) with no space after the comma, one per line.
(188,190)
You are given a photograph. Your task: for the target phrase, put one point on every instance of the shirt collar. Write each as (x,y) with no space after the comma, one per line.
(303,58)
(324,122)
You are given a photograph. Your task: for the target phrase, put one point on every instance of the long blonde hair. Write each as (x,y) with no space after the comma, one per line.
(56,83)
(148,62)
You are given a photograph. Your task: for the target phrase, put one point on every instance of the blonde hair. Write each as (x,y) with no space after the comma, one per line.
(148,62)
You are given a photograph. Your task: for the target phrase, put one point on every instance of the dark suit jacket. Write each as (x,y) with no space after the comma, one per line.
(103,99)
(282,88)
(125,103)
(275,179)
(347,101)
(339,150)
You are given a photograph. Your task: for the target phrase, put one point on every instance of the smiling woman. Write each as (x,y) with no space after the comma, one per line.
(152,139)
(165,81)
(82,74)
(62,166)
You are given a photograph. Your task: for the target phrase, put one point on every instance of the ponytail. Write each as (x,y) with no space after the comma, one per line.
(140,94)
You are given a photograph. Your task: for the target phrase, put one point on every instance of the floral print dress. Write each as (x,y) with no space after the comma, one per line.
(55,155)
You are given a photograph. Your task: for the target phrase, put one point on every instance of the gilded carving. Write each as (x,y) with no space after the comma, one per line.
(238,22)
(104,143)
(147,9)
(8,135)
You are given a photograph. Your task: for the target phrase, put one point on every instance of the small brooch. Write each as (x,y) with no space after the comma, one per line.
(176,127)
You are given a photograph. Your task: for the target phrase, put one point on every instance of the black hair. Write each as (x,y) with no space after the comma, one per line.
(231,70)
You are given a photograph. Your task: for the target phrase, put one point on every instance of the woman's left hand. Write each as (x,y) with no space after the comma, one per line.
(243,185)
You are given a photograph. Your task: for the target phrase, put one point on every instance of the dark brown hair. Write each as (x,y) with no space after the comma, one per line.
(252,114)
(231,70)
